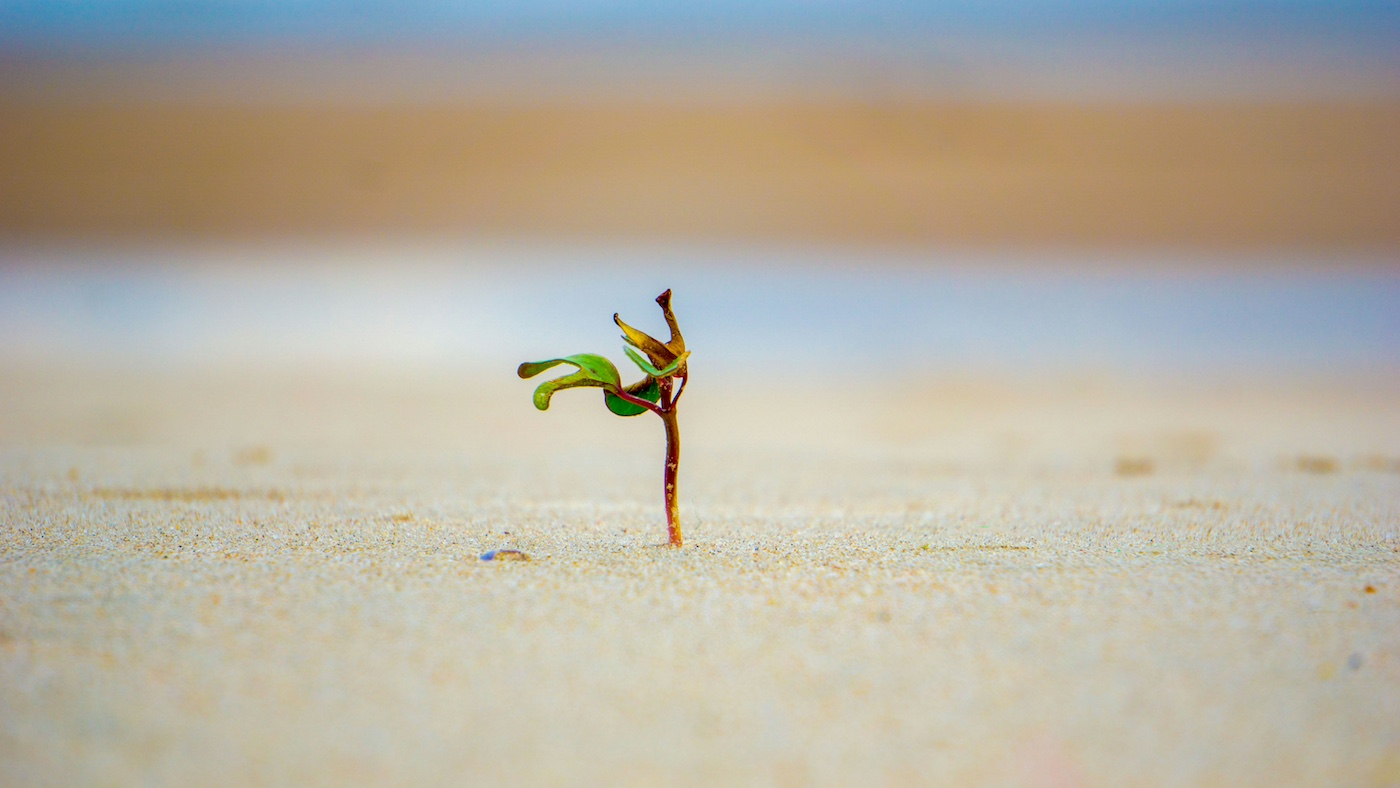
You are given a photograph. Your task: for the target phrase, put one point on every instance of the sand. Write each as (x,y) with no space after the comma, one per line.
(1217,174)
(235,578)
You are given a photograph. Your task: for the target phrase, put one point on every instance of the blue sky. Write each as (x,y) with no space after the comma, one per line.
(63,25)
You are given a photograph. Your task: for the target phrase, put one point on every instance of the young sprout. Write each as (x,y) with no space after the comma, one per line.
(663,365)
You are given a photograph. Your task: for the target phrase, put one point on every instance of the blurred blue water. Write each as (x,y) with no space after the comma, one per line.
(259,50)
(440,50)
(742,310)
(176,22)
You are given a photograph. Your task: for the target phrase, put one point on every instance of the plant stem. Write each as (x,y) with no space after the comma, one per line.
(673,461)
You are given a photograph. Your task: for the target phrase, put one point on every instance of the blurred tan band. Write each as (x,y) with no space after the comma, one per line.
(1321,175)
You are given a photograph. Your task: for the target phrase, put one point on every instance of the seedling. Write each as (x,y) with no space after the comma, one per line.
(663,364)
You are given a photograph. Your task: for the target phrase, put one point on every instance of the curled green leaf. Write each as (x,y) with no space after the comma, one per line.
(664,372)
(593,370)
(647,389)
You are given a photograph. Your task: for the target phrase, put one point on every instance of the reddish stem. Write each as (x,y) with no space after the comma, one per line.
(673,462)
(666,409)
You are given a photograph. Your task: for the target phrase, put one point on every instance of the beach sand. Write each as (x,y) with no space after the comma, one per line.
(1246,175)
(235,577)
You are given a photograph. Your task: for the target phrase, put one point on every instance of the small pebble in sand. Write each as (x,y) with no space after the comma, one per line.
(505,555)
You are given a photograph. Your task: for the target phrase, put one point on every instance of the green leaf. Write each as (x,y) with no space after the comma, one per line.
(593,370)
(598,365)
(665,372)
(648,390)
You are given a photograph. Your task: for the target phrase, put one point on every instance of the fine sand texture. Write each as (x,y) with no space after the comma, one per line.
(244,577)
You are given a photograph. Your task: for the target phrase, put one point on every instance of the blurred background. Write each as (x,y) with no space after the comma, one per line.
(1168,190)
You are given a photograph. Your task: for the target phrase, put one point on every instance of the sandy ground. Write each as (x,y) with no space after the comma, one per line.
(224,578)
(1116,174)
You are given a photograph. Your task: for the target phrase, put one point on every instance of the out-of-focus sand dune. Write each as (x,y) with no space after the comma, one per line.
(1300,174)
